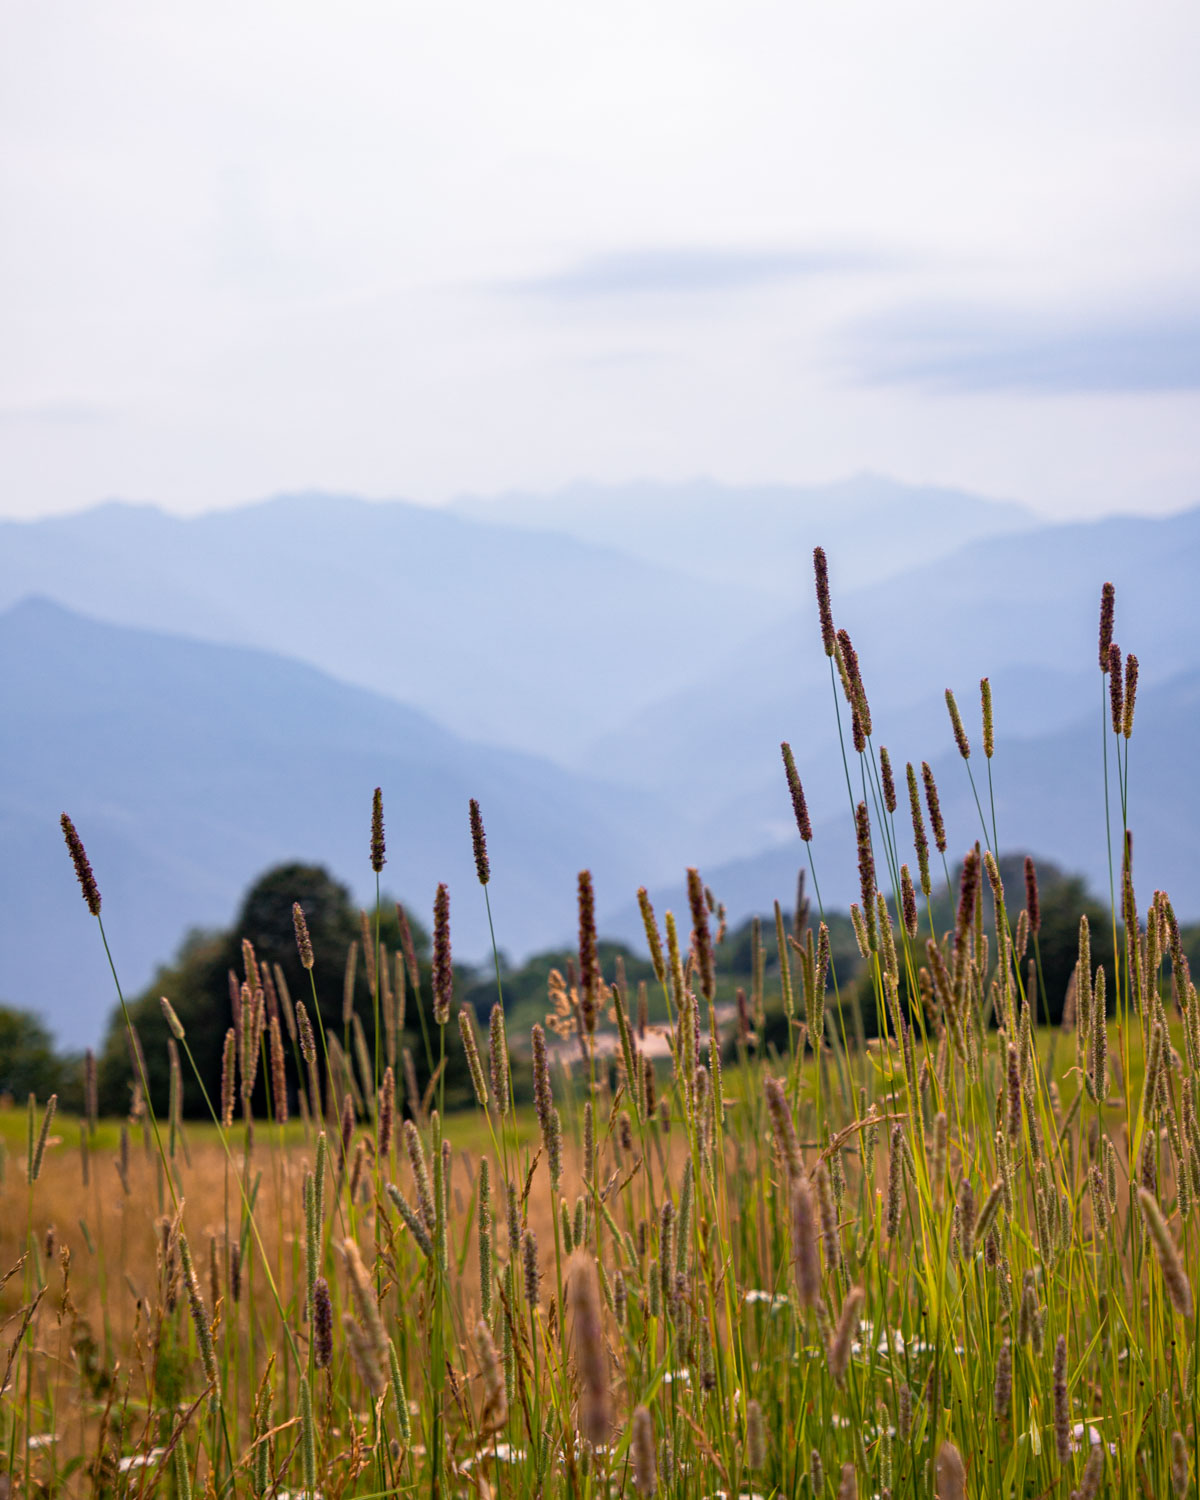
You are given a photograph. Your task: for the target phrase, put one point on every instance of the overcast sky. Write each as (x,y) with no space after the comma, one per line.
(417,249)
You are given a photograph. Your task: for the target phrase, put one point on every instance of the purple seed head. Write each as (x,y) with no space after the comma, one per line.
(377,856)
(443,971)
(1116,693)
(887,779)
(824,610)
(1107,609)
(799,805)
(83,868)
(935,808)
(479,844)
(1033,904)
(303,941)
(1131,682)
(956,724)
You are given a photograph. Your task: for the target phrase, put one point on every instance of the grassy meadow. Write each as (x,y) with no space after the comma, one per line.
(957,1258)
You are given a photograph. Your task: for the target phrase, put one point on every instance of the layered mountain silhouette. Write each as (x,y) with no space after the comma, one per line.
(190,768)
(609,670)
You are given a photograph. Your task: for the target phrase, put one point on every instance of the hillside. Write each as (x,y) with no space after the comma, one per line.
(190,768)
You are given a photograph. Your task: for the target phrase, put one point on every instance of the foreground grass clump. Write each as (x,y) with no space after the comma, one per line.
(956,1260)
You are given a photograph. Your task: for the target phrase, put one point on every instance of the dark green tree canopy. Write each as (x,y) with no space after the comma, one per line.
(209,965)
(28,1061)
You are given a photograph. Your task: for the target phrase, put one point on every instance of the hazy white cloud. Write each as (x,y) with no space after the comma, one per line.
(700,269)
(281,242)
(971,349)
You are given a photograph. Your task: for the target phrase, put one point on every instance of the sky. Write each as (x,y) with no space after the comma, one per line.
(422,249)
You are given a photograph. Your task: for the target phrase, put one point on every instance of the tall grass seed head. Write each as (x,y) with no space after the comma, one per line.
(956,724)
(83,868)
(483,869)
(466,1029)
(641,1449)
(322,1324)
(824,608)
(799,803)
(1116,694)
(653,940)
(935,808)
(951,1475)
(498,1059)
(1131,682)
(844,1334)
(443,971)
(701,935)
(1107,611)
(378,859)
(858,697)
(587,1345)
(887,779)
(866,873)
(1175,1279)
(1062,1410)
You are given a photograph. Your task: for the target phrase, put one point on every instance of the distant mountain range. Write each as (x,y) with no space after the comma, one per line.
(609,670)
(530,640)
(1049,801)
(1021,609)
(190,768)
(761,536)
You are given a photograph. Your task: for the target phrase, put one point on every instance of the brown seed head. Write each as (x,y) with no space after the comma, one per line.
(951,1476)
(866,872)
(466,1028)
(387,1112)
(303,941)
(1107,609)
(920,841)
(377,856)
(228,1078)
(781,1124)
(701,935)
(1062,1410)
(756,1436)
(83,868)
(935,809)
(806,1263)
(968,894)
(908,904)
(641,1448)
(1131,682)
(479,844)
(1115,688)
(824,610)
(859,699)
(843,1334)
(989,724)
(589,963)
(409,949)
(654,942)
(587,1343)
(1175,1279)
(1032,903)
(498,1059)
(495,1399)
(1002,1394)
(887,780)
(443,972)
(799,805)
(956,724)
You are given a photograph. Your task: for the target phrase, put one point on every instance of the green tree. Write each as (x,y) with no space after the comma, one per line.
(28,1061)
(208,970)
